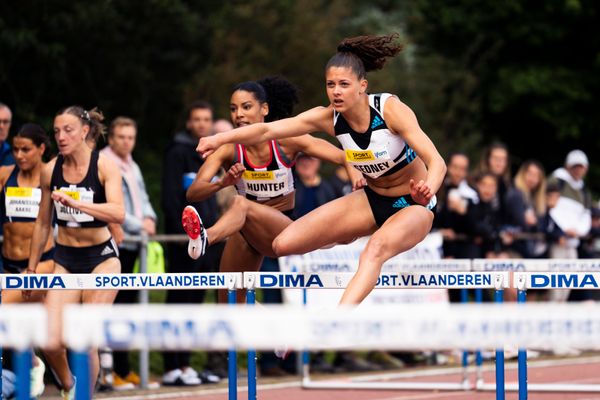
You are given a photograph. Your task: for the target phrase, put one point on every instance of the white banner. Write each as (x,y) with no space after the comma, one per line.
(344,258)
(437,326)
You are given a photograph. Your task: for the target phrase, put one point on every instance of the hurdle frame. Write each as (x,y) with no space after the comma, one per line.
(523,268)
(522,283)
(80,356)
(339,280)
(416,265)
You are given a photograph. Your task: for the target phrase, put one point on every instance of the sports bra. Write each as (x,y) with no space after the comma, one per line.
(261,183)
(376,152)
(89,190)
(19,204)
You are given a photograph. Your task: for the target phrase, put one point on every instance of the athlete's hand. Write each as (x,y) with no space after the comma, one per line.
(208,145)
(233,175)
(117,233)
(356,178)
(420,192)
(26,294)
(65,199)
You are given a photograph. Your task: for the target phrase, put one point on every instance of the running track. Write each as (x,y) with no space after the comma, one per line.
(580,370)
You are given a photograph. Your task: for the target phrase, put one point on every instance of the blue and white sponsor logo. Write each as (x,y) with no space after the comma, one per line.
(167,333)
(159,281)
(290,280)
(381,154)
(503,266)
(572,281)
(33,281)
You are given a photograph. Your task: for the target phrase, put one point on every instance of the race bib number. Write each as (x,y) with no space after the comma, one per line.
(22,202)
(266,184)
(72,215)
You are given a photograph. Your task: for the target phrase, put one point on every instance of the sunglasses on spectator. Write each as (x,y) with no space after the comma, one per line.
(4,121)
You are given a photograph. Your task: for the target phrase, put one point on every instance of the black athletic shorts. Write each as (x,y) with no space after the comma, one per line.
(83,260)
(383,207)
(18,266)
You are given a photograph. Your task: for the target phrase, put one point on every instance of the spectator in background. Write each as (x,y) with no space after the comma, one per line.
(496,161)
(525,203)
(573,210)
(453,200)
(311,190)
(139,217)
(555,237)
(180,165)
(6,157)
(572,213)
(222,125)
(340,182)
(484,218)
(590,246)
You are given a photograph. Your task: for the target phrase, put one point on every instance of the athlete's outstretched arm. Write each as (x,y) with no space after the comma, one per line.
(323,150)
(313,120)
(402,120)
(204,186)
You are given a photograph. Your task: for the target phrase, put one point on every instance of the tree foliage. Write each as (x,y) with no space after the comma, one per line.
(523,72)
(527,73)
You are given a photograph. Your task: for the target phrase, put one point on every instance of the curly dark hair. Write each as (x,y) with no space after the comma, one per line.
(280,94)
(365,53)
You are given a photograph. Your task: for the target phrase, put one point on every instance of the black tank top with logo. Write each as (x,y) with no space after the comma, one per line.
(89,190)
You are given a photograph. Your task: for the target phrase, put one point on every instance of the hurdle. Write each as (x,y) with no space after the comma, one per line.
(21,328)
(309,262)
(178,281)
(544,269)
(557,280)
(388,280)
(438,327)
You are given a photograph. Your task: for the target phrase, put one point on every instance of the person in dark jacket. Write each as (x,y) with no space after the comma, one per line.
(180,165)
(484,217)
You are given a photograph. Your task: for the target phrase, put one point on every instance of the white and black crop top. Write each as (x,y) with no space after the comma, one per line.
(378,151)
(273,179)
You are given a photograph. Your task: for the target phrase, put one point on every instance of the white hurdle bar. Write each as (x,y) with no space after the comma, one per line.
(175,281)
(388,280)
(21,328)
(436,327)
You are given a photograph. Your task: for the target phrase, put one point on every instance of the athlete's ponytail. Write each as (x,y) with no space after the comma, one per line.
(280,94)
(92,118)
(365,53)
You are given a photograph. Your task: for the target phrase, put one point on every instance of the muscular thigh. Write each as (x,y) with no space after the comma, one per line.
(402,231)
(337,221)
(263,224)
(238,256)
(109,266)
(55,299)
